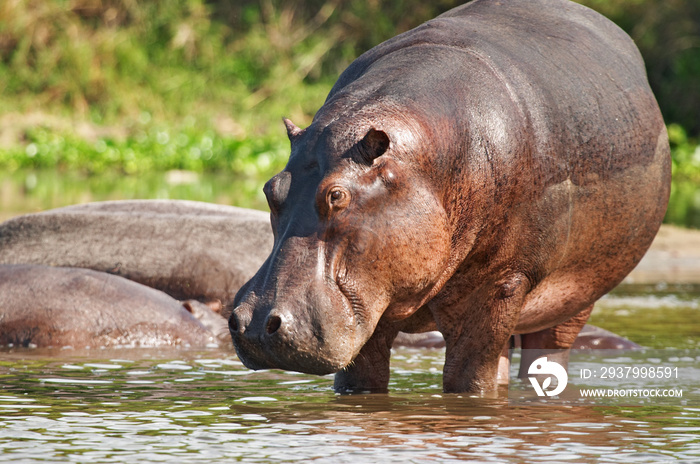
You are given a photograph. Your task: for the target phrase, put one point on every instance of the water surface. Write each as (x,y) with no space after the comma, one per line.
(205,406)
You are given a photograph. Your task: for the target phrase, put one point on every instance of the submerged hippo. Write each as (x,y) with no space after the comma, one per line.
(592,337)
(589,338)
(190,250)
(55,306)
(492,172)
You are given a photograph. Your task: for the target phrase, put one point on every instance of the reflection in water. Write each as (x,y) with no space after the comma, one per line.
(31,191)
(148,406)
(654,316)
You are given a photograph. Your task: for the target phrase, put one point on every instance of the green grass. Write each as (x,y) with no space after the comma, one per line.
(160,148)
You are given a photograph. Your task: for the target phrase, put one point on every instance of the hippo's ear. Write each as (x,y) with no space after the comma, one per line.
(374,144)
(293,132)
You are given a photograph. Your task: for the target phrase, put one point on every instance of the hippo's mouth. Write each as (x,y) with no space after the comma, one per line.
(273,355)
(353,303)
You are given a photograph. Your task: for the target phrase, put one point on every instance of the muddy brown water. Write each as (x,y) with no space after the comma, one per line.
(131,405)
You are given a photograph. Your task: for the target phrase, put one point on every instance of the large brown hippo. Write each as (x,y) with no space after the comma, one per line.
(190,250)
(56,306)
(492,172)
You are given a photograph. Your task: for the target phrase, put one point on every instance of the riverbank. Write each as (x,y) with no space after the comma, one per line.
(673,258)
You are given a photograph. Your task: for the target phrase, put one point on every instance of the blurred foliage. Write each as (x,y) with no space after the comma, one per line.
(686,153)
(667,33)
(684,204)
(201,84)
(151,150)
(115,58)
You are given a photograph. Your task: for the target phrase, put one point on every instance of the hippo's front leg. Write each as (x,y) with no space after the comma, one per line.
(369,371)
(475,336)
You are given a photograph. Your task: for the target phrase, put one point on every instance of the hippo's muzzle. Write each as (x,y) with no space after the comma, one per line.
(314,336)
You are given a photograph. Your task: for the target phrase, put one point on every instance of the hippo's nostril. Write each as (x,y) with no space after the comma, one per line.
(273,323)
(233,323)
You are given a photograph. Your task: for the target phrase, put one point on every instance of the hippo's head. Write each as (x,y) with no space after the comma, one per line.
(360,235)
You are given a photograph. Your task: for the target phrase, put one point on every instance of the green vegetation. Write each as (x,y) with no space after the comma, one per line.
(152,149)
(127,87)
(118,87)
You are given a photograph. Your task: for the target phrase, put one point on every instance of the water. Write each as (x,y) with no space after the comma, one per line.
(657,316)
(205,406)
(31,191)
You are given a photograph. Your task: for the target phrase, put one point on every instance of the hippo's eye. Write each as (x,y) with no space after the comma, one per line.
(337,197)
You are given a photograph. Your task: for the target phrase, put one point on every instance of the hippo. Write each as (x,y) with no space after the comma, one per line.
(59,236)
(44,306)
(592,337)
(492,172)
(589,338)
(190,250)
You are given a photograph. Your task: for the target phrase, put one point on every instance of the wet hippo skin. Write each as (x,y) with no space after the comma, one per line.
(46,306)
(492,172)
(190,250)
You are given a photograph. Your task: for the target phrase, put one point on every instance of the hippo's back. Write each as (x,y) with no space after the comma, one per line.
(575,81)
(190,250)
